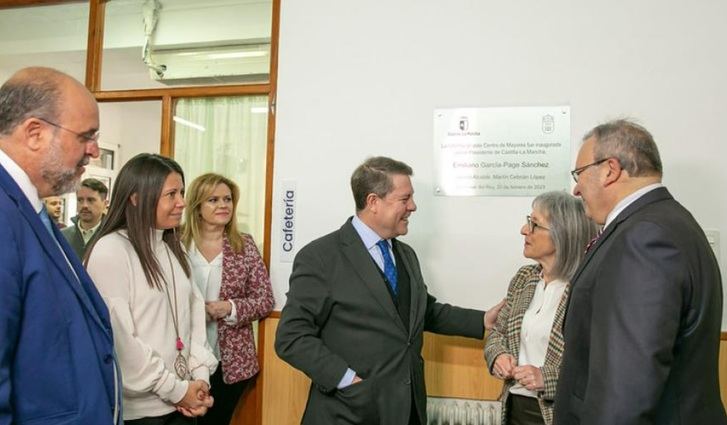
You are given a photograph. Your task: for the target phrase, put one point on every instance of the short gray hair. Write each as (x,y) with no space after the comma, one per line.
(374,176)
(630,143)
(31,92)
(570,230)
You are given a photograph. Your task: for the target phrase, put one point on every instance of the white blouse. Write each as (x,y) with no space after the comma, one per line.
(536,327)
(143,324)
(207,275)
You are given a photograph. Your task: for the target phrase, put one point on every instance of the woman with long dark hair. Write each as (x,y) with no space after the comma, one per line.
(228,269)
(157,315)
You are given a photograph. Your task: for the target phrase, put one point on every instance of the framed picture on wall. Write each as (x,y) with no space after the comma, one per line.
(106,158)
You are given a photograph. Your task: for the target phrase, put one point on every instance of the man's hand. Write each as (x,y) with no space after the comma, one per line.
(491,314)
(504,366)
(218,309)
(529,377)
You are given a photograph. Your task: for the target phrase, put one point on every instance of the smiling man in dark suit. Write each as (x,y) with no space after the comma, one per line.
(643,324)
(358,306)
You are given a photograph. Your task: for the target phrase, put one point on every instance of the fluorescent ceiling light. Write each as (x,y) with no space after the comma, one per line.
(234,55)
(259,110)
(188,123)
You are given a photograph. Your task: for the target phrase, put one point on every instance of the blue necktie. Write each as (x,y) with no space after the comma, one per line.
(389,267)
(46,221)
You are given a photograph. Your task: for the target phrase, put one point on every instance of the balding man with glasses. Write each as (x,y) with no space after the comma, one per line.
(642,327)
(57,363)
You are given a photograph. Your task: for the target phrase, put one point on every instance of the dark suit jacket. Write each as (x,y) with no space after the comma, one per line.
(74,238)
(339,314)
(56,346)
(643,323)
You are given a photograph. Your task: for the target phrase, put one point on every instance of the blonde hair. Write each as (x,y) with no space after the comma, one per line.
(197,193)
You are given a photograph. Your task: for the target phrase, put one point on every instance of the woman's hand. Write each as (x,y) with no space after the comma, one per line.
(504,366)
(196,400)
(218,309)
(529,377)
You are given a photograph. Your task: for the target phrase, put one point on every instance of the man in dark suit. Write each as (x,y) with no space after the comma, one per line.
(643,324)
(57,362)
(358,306)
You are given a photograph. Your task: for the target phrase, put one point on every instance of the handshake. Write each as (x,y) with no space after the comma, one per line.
(197,400)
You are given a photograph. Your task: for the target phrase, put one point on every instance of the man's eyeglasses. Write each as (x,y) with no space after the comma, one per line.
(533,225)
(577,172)
(88,137)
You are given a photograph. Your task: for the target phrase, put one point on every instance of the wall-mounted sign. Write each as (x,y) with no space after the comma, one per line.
(519,151)
(287,228)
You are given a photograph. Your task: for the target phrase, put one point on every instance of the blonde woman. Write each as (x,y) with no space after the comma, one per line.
(228,270)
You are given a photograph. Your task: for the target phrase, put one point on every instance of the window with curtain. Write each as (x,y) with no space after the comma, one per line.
(54,36)
(175,43)
(228,136)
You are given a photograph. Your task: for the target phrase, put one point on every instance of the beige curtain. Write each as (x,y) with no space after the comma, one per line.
(227,135)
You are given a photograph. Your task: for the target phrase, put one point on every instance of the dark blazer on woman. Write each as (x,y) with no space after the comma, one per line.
(245,282)
(505,337)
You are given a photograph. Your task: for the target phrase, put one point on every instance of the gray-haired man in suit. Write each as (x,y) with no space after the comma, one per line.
(643,324)
(358,306)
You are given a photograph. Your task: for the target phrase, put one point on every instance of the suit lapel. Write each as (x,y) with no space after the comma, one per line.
(364,266)
(658,194)
(79,285)
(415,286)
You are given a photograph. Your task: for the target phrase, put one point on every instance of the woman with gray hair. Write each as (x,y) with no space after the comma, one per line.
(526,345)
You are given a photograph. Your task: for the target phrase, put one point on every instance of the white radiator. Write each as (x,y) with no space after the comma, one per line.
(455,411)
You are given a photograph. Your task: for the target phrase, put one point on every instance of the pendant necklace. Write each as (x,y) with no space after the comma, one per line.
(180,363)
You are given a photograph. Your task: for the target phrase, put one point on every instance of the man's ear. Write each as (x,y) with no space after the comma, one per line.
(31,131)
(372,202)
(614,171)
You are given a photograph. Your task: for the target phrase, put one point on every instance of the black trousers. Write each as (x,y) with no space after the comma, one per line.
(226,398)
(413,415)
(522,410)
(174,418)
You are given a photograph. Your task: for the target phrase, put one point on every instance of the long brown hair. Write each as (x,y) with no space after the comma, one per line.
(198,192)
(142,178)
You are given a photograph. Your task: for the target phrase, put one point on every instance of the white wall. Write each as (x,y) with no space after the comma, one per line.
(135,126)
(361,79)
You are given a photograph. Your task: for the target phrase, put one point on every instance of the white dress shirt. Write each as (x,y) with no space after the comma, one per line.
(22,180)
(207,275)
(625,202)
(536,327)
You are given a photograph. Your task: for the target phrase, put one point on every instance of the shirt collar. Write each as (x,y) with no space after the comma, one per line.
(368,236)
(630,199)
(91,230)
(22,180)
